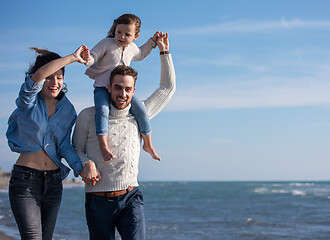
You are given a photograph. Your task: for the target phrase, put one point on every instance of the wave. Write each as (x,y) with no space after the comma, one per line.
(261,190)
(298,193)
(298,184)
(294,192)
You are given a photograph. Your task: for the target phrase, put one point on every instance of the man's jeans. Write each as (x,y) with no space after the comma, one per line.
(124,213)
(35,198)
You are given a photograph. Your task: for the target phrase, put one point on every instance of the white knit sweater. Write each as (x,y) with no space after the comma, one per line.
(106,55)
(123,136)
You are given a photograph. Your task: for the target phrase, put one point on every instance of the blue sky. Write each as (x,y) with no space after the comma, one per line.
(253,81)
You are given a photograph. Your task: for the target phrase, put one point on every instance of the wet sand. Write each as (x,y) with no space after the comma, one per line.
(4,182)
(5,237)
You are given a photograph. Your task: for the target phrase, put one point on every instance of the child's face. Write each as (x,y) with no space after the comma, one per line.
(125,34)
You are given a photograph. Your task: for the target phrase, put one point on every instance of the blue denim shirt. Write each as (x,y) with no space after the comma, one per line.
(30,130)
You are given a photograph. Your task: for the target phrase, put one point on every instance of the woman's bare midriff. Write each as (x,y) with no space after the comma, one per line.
(39,160)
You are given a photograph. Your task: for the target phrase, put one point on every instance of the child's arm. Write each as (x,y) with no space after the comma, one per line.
(142,52)
(57,64)
(97,52)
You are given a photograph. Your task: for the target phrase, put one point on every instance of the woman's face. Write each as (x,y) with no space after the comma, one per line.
(53,85)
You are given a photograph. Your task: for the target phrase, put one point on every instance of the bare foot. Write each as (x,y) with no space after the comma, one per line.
(107,155)
(150,149)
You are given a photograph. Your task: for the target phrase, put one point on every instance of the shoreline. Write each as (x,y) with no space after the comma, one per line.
(4,183)
(3,236)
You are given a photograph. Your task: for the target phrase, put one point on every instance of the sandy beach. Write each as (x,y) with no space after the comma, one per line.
(4,181)
(4,237)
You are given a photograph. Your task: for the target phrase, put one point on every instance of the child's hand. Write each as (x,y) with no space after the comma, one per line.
(85,54)
(155,36)
(78,54)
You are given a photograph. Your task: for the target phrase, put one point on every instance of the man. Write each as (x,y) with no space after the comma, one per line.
(114,201)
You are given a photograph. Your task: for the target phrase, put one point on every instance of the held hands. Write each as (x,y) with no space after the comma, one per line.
(82,54)
(90,175)
(162,41)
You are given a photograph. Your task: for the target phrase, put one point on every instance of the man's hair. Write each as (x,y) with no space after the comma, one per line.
(125,71)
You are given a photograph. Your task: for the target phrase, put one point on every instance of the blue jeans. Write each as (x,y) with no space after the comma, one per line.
(124,212)
(102,108)
(35,198)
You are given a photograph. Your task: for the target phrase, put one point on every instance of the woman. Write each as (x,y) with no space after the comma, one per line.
(39,130)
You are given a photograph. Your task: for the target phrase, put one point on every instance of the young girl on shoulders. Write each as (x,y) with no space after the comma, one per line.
(118,49)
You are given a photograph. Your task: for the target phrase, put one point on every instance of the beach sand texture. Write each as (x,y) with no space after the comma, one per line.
(4,237)
(4,181)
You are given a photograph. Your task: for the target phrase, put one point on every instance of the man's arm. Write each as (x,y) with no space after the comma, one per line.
(80,134)
(159,98)
(90,174)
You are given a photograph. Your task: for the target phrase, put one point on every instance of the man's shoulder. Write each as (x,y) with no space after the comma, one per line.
(87,112)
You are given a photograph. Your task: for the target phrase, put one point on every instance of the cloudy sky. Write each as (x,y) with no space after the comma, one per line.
(253,81)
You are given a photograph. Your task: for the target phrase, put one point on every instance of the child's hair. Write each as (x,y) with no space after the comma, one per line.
(125,71)
(43,57)
(125,19)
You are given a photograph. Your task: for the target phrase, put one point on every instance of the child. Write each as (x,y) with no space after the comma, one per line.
(118,49)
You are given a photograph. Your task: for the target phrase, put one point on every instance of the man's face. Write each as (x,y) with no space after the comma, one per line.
(122,90)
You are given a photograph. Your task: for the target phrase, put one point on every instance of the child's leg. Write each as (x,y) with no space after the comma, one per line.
(140,113)
(102,105)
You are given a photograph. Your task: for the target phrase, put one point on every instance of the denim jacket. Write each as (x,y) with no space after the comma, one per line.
(30,130)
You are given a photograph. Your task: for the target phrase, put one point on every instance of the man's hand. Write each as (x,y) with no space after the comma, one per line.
(162,41)
(90,175)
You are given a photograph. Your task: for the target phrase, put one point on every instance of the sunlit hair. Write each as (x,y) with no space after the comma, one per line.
(43,56)
(125,71)
(125,19)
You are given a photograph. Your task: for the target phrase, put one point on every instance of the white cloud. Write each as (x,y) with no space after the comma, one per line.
(263,93)
(248,26)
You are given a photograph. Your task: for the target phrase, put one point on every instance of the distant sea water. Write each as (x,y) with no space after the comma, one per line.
(209,210)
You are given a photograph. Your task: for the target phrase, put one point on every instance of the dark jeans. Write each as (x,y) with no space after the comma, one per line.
(35,198)
(124,213)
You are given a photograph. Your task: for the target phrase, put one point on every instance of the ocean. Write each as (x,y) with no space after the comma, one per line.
(208,210)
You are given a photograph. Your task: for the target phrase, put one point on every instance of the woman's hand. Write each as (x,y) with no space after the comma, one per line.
(90,175)
(82,54)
